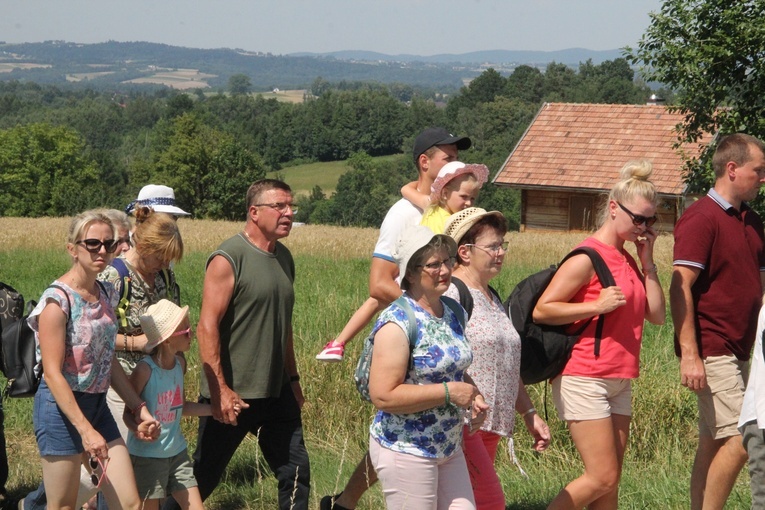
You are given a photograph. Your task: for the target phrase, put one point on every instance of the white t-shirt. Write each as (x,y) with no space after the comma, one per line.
(402,214)
(753,408)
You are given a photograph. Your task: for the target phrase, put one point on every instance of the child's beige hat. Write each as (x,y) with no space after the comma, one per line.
(161,320)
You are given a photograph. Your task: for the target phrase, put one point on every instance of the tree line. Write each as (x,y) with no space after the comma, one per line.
(62,151)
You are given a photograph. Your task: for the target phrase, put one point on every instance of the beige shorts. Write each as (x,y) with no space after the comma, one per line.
(720,402)
(591,398)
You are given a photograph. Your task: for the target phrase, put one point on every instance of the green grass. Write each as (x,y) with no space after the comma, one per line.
(328,288)
(302,178)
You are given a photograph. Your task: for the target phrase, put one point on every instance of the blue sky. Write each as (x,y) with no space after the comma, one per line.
(420,27)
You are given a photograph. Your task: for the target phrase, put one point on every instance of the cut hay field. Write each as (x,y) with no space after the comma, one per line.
(7,67)
(332,265)
(181,79)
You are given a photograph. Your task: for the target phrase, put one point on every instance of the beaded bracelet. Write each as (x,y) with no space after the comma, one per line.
(137,410)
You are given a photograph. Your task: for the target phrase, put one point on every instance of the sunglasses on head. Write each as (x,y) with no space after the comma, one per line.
(638,219)
(94,245)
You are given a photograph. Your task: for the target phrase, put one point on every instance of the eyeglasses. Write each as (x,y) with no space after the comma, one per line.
(435,267)
(124,240)
(185,332)
(492,249)
(94,245)
(280,206)
(95,463)
(638,219)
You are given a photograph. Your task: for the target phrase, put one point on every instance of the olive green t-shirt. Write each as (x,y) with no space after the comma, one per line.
(254,329)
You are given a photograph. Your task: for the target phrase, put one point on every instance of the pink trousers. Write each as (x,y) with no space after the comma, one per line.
(480,452)
(418,483)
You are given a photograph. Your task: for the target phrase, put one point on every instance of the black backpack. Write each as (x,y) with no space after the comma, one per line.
(545,349)
(18,344)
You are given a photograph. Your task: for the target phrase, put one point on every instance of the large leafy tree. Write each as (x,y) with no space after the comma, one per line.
(209,170)
(44,172)
(712,52)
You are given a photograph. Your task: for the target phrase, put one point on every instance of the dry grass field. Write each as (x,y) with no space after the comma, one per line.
(527,249)
(7,67)
(181,79)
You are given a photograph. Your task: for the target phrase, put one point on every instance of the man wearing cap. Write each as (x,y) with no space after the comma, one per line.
(246,349)
(433,148)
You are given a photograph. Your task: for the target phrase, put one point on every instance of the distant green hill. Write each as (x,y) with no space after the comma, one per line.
(302,178)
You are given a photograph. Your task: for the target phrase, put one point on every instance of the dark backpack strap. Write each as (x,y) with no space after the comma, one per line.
(68,300)
(173,291)
(606,280)
(466,300)
(124,302)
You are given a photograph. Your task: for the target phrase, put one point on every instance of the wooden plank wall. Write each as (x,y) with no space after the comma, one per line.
(549,210)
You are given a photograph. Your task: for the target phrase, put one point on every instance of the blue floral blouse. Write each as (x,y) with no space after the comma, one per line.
(441,354)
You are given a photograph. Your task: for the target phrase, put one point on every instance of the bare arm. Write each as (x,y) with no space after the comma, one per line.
(692,373)
(418,198)
(534,423)
(138,380)
(655,307)
(216,294)
(554,306)
(388,372)
(198,409)
(382,281)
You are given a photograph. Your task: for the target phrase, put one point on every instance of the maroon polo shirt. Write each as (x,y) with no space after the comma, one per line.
(728,247)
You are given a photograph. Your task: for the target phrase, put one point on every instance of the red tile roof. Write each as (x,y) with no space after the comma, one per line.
(583,146)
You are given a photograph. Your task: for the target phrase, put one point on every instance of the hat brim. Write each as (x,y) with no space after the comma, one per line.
(465,227)
(169,209)
(463,143)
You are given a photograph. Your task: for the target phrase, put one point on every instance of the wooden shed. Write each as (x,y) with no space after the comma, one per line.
(570,156)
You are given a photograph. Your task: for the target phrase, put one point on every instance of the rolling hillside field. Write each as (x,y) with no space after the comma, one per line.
(332,265)
(302,178)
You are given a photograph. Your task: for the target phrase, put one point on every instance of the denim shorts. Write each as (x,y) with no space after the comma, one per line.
(55,433)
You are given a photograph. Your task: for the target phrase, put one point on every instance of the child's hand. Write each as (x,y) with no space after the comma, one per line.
(241,404)
(148,430)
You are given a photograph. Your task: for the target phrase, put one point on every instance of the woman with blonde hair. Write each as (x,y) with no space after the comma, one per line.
(593,394)
(75,327)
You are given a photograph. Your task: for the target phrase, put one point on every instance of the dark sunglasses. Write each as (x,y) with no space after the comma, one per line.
(94,245)
(637,219)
